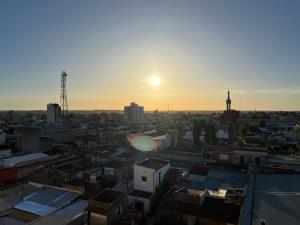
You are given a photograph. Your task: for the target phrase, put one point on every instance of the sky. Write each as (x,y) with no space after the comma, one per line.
(110,49)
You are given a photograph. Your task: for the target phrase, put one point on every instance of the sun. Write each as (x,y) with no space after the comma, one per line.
(154,80)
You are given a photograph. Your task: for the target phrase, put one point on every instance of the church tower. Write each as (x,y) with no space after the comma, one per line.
(228,102)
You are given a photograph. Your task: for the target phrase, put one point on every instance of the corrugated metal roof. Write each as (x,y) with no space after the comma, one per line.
(35,208)
(46,201)
(13,161)
(65,215)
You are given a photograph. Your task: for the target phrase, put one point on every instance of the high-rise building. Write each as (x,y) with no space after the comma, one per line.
(53,113)
(134,114)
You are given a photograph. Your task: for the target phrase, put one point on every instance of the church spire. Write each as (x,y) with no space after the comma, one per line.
(228,102)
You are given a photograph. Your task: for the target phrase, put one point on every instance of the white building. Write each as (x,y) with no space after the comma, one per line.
(163,141)
(148,175)
(134,114)
(53,113)
(222,134)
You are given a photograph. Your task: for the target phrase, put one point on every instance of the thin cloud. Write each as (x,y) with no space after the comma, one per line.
(269,91)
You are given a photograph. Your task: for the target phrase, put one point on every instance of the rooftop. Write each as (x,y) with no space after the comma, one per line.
(212,208)
(46,200)
(199,170)
(116,164)
(217,209)
(153,163)
(276,199)
(65,215)
(142,194)
(13,161)
(216,179)
(108,196)
(13,194)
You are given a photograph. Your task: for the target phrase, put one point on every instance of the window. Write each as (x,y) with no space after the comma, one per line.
(242,159)
(257,160)
(208,155)
(159,178)
(144,178)
(223,157)
(263,222)
(118,211)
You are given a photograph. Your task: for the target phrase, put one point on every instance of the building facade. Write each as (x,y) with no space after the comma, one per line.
(134,114)
(53,113)
(148,176)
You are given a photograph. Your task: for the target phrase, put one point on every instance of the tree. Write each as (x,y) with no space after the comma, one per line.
(243,129)
(210,133)
(262,123)
(198,126)
(196,132)
(231,131)
(297,129)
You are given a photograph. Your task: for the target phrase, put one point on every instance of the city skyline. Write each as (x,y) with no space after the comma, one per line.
(110,50)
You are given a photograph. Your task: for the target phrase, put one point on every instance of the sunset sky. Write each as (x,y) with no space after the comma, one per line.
(111,48)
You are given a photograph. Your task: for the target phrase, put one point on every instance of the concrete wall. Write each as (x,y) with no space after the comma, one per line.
(154,178)
(148,185)
(97,219)
(133,199)
(162,171)
(53,113)
(28,139)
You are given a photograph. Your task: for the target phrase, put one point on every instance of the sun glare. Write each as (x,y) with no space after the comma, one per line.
(154,80)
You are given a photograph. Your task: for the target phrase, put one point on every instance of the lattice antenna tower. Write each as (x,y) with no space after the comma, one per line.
(63,94)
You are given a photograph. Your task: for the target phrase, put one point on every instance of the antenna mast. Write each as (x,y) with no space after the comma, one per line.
(63,94)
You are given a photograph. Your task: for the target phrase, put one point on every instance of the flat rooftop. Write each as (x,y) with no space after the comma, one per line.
(153,163)
(14,161)
(65,215)
(46,200)
(276,199)
(141,194)
(108,196)
(9,196)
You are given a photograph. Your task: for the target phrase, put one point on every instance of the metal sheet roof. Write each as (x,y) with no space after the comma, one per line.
(46,201)
(13,161)
(276,199)
(65,215)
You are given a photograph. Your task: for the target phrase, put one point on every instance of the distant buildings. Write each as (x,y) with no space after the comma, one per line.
(234,155)
(134,114)
(2,137)
(53,113)
(28,139)
(15,168)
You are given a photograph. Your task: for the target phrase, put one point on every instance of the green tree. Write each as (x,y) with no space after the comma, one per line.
(210,133)
(243,129)
(198,126)
(262,123)
(231,131)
